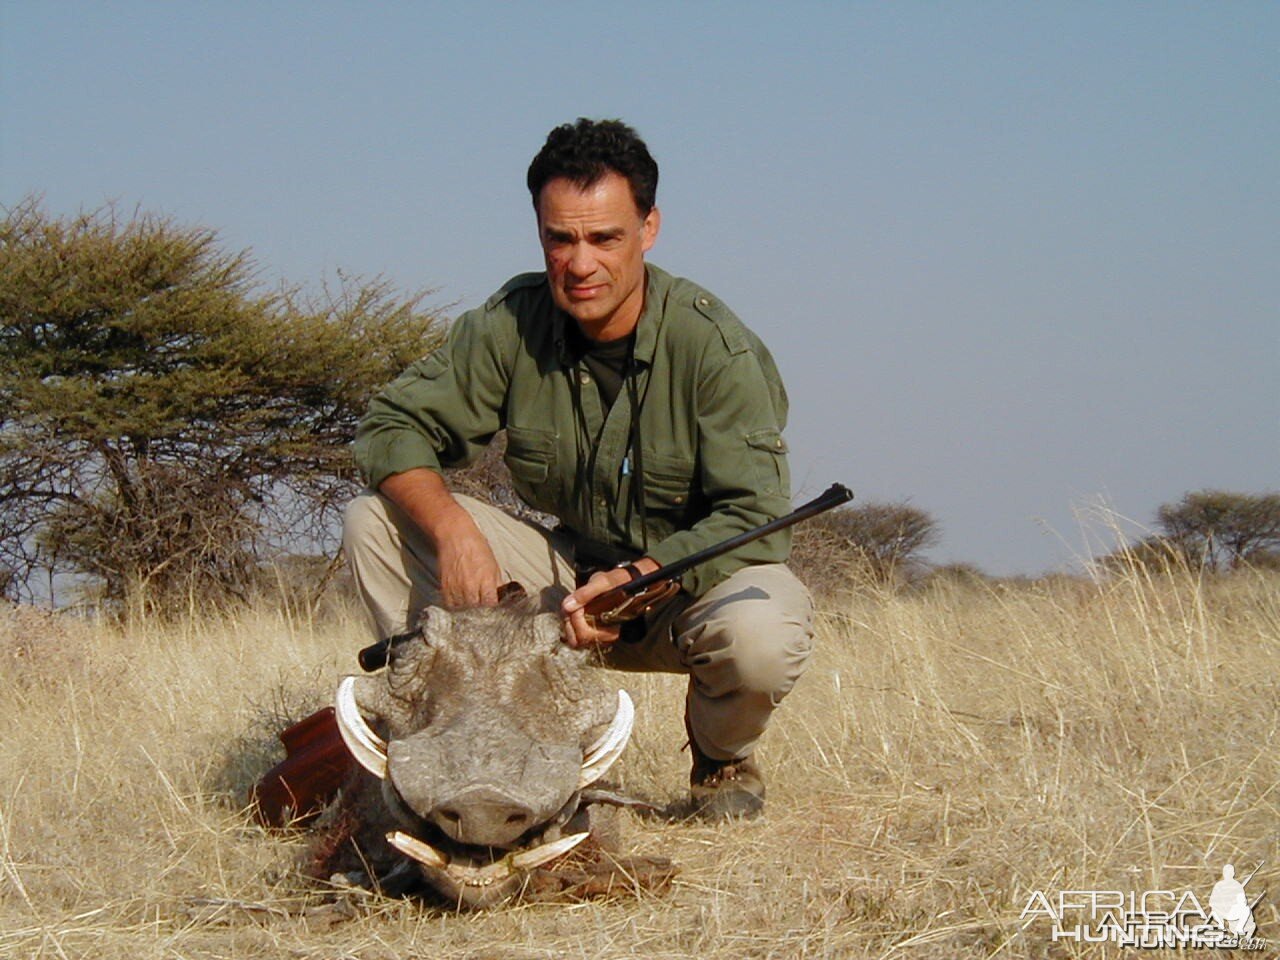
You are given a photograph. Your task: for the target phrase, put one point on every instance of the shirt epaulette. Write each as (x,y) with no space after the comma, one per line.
(731,329)
(520,281)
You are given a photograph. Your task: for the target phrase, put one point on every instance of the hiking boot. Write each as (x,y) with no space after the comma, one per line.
(724,789)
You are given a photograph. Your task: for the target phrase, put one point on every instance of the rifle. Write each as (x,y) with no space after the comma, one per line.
(645,592)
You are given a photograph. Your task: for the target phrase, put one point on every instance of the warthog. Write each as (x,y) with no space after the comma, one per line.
(484,737)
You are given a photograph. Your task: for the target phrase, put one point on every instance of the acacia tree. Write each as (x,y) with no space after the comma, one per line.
(1209,530)
(884,541)
(1222,530)
(164,422)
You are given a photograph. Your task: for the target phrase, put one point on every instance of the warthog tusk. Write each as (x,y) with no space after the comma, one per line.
(605,752)
(536,857)
(415,848)
(369,749)
(487,875)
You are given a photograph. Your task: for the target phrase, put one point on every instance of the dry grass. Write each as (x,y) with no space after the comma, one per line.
(948,752)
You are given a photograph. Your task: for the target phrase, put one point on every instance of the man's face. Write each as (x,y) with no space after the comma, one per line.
(594,242)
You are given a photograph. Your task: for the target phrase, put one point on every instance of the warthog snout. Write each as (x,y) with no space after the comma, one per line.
(483,816)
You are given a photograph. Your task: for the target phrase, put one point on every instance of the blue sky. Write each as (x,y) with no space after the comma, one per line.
(1012,258)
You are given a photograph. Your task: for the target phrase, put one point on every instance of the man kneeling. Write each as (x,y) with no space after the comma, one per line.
(645,417)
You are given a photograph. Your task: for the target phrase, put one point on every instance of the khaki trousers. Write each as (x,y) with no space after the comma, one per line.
(743,644)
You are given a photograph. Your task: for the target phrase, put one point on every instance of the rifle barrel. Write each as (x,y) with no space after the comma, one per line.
(833,496)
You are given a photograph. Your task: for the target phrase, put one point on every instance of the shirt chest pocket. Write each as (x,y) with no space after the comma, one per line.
(668,483)
(529,456)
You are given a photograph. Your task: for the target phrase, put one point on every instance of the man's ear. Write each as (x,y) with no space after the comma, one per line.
(649,230)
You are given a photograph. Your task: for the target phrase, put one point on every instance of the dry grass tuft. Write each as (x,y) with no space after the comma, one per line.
(949,751)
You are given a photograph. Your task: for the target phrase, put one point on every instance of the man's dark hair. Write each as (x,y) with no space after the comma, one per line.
(585,151)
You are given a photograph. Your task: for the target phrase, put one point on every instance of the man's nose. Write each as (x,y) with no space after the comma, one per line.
(582,262)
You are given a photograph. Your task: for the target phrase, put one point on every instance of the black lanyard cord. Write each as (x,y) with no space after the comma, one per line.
(635,445)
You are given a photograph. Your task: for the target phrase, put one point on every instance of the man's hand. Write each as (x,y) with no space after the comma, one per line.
(578,632)
(468,570)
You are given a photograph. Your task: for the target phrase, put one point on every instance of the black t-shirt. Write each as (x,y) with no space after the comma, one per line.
(606,362)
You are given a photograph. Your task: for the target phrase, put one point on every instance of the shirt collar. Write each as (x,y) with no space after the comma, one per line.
(646,328)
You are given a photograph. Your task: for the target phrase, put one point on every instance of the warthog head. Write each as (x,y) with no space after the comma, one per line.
(484,730)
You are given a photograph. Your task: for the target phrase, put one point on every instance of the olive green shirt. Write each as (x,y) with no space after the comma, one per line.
(712,409)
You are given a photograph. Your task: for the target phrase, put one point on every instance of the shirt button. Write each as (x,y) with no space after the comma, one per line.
(704,302)
(679,499)
(584,378)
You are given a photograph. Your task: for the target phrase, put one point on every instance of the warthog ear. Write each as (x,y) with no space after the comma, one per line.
(411,660)
(546,630)
(435,624)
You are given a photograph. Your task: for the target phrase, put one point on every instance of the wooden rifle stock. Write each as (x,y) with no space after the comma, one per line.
(316,764)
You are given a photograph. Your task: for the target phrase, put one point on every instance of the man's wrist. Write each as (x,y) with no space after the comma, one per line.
(632,570)
(450,521)
(643,566)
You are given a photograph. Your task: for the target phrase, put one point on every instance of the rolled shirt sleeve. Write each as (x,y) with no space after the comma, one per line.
(444,409)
